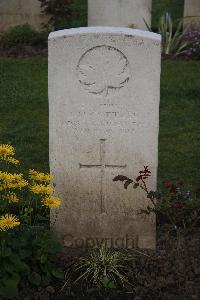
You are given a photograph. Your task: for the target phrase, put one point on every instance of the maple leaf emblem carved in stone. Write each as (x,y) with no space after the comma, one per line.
(103,69)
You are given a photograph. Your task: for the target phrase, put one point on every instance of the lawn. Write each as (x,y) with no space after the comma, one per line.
(24,116)
(24,109)
(159,7)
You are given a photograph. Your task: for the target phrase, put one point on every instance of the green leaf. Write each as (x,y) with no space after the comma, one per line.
(135,186)
(127,183)
(46,279)
(24,253)
(57,273)
(34,278)
(7,252)
(43,258)
(9,288)
(14,277)
(19,265)
(107,283)
(55,247)
(9,267)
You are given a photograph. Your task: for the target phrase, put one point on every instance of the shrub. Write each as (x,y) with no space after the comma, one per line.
(180,208)
(23,35)
(28,251)
(65,13)
(192,37)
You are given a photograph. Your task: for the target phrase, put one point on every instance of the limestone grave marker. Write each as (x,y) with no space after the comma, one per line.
(192,12)
(20,12)
(104,95)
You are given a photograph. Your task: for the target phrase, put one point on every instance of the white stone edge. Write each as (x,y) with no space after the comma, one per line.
(112,30)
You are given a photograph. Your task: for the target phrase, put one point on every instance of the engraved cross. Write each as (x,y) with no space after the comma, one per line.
(102,166)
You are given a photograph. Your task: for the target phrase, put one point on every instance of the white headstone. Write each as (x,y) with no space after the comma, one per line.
(104,90)
(19,12)
(192,12)
(124,13)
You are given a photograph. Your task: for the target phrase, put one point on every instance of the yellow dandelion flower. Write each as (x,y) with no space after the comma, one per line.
(51,202)
(4,175)
(11,198)
(8,221)
(39,176)
(41,189)
(12,160)
(6,150)
(21,184)
(10,176)
(12,181)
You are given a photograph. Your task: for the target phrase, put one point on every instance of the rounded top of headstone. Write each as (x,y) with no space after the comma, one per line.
(105,30)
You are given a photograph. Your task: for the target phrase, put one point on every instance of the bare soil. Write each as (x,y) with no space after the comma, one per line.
(171,272)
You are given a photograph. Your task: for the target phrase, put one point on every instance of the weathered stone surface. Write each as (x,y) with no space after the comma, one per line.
(123,13)
(192,12)
(19,12)
(104,86)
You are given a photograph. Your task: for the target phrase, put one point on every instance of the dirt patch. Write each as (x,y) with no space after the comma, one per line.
(167,273)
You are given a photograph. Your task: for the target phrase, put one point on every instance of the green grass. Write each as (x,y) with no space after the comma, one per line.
(180,122)
(24,109)
(159,7)
(24,116)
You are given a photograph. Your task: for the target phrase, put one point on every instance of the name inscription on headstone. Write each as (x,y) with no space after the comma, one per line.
(105,120)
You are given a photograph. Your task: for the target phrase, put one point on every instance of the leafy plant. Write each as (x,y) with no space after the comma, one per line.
(28,251)
(103,268)
(178,207)
(27,256)
(192,36)
(65,13)
(173,42)
(23,35)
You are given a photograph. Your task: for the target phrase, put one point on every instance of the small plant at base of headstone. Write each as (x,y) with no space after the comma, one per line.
(104,269)
(28,250)
(178,207)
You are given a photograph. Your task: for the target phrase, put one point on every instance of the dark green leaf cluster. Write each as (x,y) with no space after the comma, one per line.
(65,13)
(27,257)
(23,35)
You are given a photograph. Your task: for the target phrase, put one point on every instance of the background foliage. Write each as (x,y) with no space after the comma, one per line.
(160,7)
(23,35)
(66,13)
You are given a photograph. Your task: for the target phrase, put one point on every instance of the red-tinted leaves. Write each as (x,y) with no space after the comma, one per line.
(144,174)
(121,178)
(127,183)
